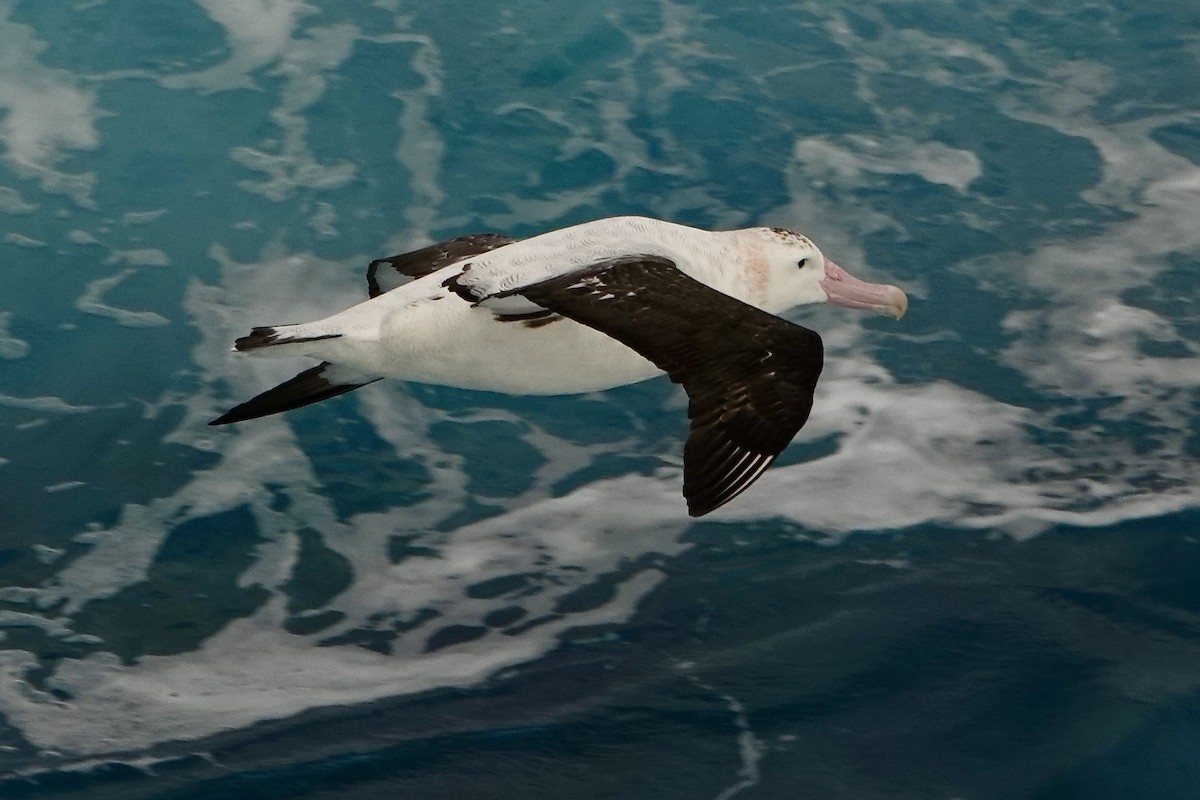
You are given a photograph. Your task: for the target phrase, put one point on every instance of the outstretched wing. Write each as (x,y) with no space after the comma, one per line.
(397,269)
(749,375)
(313,385)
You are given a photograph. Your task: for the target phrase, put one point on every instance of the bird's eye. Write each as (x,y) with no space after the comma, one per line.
(802,263)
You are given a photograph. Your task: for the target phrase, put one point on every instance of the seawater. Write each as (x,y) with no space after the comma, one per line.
(972,575)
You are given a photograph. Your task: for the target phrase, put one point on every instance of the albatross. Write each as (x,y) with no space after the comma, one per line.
(591,307)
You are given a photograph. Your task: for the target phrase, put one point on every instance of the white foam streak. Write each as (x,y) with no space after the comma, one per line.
(750,749)
(420,148)
(1095,336)
(11,348)
(844,160)
(259,32)
(45,114)
(140,257)
(303,65)
(143,217)
(92,302)
(21,240)
(253,670)
(52,405)
(11,202)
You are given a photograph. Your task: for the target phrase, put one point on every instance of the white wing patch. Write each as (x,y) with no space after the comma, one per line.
(557,253)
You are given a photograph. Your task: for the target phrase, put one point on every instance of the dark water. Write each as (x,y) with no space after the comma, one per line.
(973,575)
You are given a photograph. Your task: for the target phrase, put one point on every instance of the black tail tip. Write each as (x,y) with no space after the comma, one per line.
(258,337)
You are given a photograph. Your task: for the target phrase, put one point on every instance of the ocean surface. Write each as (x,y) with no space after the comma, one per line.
(975,573)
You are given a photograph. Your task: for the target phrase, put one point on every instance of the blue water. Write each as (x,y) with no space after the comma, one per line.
(973,575)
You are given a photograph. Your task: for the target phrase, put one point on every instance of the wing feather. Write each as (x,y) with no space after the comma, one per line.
(420,263)
(749,375)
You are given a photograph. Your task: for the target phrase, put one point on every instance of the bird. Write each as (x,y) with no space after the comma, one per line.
(590,307)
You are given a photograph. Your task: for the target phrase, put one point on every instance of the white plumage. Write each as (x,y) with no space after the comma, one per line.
(587,308)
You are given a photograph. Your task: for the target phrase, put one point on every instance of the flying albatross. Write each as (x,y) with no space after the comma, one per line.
(589,307)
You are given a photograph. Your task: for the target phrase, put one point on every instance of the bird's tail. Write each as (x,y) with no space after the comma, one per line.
(319,383)
(276,335)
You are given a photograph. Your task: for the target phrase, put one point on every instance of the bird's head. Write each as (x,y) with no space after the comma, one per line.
(799,273)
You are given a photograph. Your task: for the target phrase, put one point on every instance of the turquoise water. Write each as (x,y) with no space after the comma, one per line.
(973,574)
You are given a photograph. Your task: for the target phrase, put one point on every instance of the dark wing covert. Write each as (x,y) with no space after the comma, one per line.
(429,259)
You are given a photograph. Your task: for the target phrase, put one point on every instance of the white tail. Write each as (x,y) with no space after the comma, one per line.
(276,335)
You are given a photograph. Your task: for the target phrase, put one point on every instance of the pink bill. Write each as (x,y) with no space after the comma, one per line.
(843,289)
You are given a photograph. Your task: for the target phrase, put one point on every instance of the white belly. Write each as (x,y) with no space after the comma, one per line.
(450,343)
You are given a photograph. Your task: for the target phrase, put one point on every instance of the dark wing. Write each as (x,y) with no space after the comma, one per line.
(319,383)
(428,259)
(749,375)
